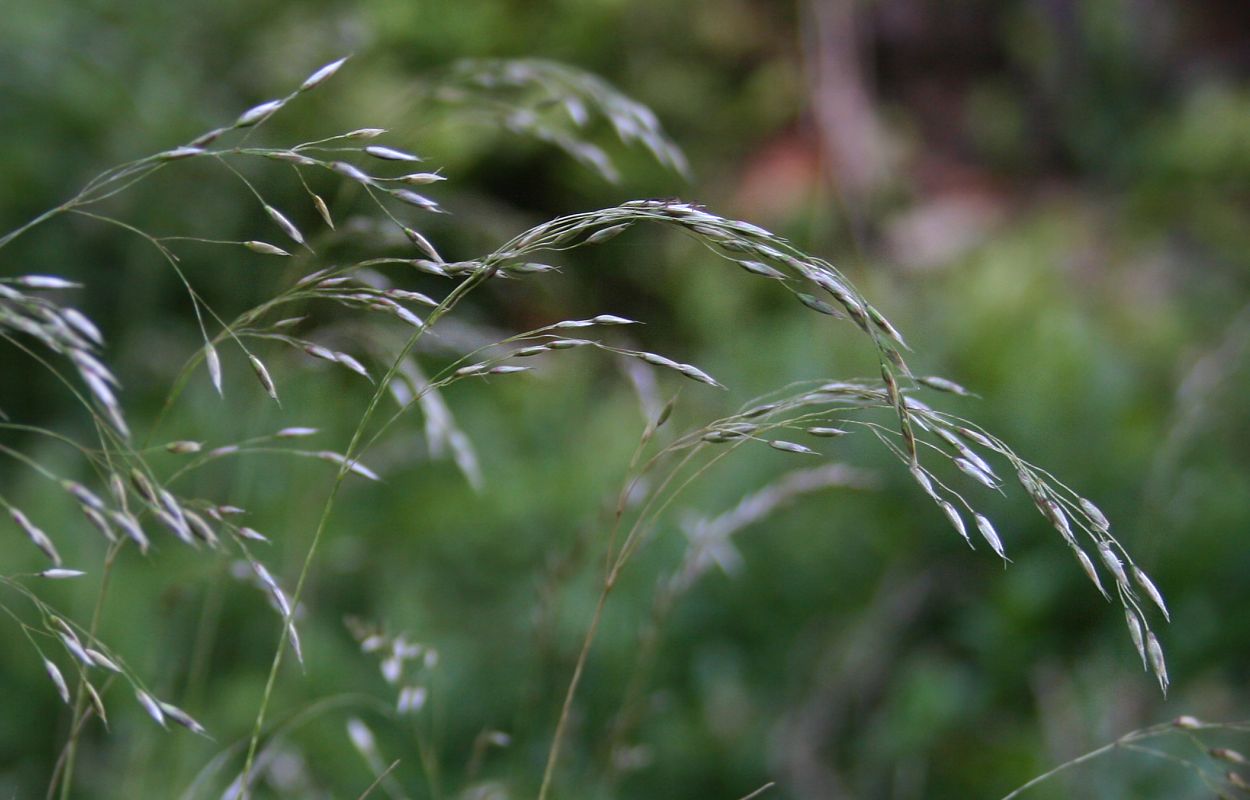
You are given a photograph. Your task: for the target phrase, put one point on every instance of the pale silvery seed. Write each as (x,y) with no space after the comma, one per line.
(1152,591)
(322,75)
(285,224)
(1225,754)
(214,366)
(422,178)
(131,527)
(354,466)
(390,154)
(607,233)
(365,133)
(526,352)
(58,680)
(424,244)
(37,536)
(102,660)
(76,650)
(224,450)
(323,210)
(1113,564)
(1088,566)
(987,531)
(943,385)
(612,319)
(80,322)
(1134,631)
(507,370)
(956,520)
(411,699)
(361,737)
(826,433)
(290,157)
(973,471)
(151,706)
(352,364)
(696,374)
(99,522)
(293,433)
(412,297)
(791,447)
(922,478)
(264,248)
(414,199)
(172,524)
(182,718)
(816,304)
(143,486)
(252,534)
(757,268)
(61,573)
(184,447)
(263,375)
(256,113)
(1157,661)
(347,170)
(83,495)
(45,282)
(179,153)
(1187,722)
(658,360)
(1095,515)
(200,528)
(1059,520)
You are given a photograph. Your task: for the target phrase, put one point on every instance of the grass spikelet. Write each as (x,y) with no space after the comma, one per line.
(37,536)
(943,385)
(288,227)
(213,362)
(825,432)
(262,375)
(182,718)
(257,113)
(322,75)
(990,535)
(956,520)
(390,154)
(151,706)
(791,447)
(1152,591)
(61,574)
(323,211)
(1113,564)
(1091,572)
(1054,512)
(266,249)
(1157,662)
(184,447)
(1135,633)
(58,680)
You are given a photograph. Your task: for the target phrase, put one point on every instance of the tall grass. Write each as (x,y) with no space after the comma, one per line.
(397,303)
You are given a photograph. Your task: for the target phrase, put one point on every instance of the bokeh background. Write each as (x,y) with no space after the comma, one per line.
(1050,197)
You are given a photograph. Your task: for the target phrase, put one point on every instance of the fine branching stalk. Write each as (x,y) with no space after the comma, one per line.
(949,457)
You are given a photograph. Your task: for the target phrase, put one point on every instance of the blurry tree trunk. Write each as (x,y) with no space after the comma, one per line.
(842,101)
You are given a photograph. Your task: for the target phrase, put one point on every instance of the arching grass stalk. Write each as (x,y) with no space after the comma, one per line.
(351,453)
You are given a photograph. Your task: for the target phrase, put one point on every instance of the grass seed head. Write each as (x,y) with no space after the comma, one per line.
(990,535)
(322,75)
(263,375)
(58,680)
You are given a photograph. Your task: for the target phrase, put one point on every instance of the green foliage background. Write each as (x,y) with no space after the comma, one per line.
(1098,307)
